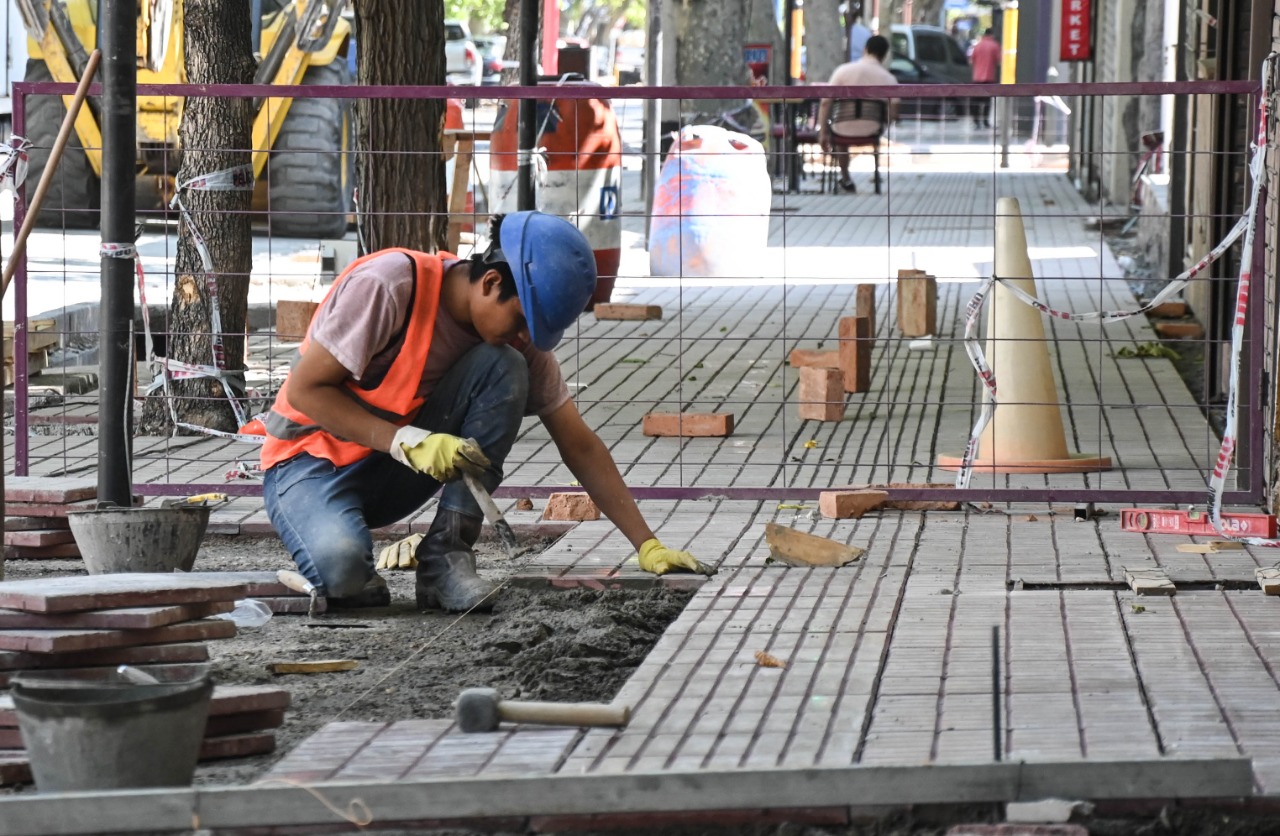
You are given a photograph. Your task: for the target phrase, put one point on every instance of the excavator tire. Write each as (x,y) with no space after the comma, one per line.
(310,169)
(74,196)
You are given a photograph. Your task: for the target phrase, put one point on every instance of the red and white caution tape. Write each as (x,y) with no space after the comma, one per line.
(1246,226)
(13,163)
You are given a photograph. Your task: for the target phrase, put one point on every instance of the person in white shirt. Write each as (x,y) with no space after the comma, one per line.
(868,70)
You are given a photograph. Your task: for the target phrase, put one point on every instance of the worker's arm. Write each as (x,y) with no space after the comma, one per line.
(589,460)
(316,389)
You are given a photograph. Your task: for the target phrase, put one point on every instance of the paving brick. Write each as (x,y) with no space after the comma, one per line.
(91,592)
(140,655)
(237,746)
(35,523)
(244,722)
(56,490)
(1179,330)
(1169,310)
(917,303)
(45,509)
(14,768)
(72,640)
(855,353)
(125,618)
(688,424)
(570,506)
(821,394)
(56,552)
(38,537)
(293,317)
(865,305)
(845,505)
(801,357)
(625,311)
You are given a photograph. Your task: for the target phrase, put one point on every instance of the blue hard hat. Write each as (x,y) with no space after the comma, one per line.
(554,269)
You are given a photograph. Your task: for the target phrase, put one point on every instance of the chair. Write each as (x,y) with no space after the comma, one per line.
(786,151)
(857,123)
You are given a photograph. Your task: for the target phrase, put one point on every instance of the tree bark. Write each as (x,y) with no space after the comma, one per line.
(511,16)
(709,39)
(824,40)
(400,179)
(214,135)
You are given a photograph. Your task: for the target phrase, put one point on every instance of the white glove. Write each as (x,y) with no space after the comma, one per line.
(406,438)
(402,554)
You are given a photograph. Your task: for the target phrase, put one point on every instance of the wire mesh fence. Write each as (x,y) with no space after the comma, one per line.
(806,318)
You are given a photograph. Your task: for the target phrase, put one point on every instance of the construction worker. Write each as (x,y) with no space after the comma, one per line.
(417,367)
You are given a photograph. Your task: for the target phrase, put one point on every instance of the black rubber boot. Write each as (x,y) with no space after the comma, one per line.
(447,578)
(374,594)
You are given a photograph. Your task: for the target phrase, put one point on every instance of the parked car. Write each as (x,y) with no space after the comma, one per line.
(461,58)
(491,61)
(934,49)
(909,71)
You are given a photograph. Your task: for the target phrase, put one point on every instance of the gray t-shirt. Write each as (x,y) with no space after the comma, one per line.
(366,312)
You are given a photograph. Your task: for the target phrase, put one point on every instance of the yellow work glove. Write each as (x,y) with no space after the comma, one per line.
(658,559)
(441,456)
(402,554)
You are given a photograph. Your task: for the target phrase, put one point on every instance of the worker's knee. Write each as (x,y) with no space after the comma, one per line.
(507,369)
(344,563)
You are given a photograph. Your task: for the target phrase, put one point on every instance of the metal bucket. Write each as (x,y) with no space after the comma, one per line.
(140,539)
(111,733)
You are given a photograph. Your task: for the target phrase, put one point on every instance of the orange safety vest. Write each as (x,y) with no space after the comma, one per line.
(395,398)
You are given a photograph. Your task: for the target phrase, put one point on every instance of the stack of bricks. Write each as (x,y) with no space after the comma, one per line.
(101,621)
(35,523)
(826,376)
(242,722)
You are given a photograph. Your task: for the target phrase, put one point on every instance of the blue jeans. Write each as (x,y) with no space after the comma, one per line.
(323,513)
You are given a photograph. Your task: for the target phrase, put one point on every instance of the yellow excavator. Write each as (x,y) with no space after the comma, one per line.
(301,145)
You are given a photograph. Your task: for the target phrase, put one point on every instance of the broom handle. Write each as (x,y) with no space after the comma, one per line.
(46,177)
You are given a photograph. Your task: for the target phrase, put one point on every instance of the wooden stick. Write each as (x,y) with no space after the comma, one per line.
(46,177)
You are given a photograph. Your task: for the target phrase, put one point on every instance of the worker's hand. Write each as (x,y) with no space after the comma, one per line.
(441,456)
(402,554)
(658,559)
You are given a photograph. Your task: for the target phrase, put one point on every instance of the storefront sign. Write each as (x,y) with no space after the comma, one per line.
(1077,36)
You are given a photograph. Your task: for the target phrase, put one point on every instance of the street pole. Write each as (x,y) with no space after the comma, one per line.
(528,108)
(652,112)
(115,321)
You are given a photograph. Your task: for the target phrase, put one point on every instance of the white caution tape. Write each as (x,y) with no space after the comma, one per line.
(13,165)
(1246,226)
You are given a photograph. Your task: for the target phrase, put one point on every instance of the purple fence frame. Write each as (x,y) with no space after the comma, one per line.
(1252,493)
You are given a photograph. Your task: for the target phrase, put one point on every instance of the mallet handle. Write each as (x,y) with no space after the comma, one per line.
(564,713)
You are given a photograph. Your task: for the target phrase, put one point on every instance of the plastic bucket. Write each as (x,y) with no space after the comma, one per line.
(108,733)
(139,539)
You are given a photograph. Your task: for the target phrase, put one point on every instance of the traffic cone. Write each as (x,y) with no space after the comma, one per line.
(1026,434)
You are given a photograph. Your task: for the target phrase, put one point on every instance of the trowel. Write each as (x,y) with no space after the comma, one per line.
(491,513)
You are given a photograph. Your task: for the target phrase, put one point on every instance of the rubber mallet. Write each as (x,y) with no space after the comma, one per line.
(481,710)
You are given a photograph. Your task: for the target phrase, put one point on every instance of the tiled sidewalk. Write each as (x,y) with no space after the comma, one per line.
(888,660)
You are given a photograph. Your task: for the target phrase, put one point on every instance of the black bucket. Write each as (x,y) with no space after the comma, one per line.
(109,733)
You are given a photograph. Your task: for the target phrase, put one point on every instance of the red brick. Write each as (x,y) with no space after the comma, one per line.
(237,746)
(917,303)
(141,655)
(46,509)
(801,357)
(58,490)
(38,538)
(866,306)
(58,552)
(524,504)
(688,424)
(244,722)
(821,394)
(570,506)
(293,318)
(35,523)
(855,353)
(618,310)
(125,618)
(14,768)
(94,592)
(845,505)
(11,738)
(239,699)
(1179,330)
(74,640)
(1169,310)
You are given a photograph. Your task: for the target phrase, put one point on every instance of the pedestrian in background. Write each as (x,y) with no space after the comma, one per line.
(986,70)
(858,35)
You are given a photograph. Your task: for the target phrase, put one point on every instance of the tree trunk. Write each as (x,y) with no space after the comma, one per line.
(214,135)
(824,40)
(511,16)
(400,171)
(709,39)
(762,28)
(927,11)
